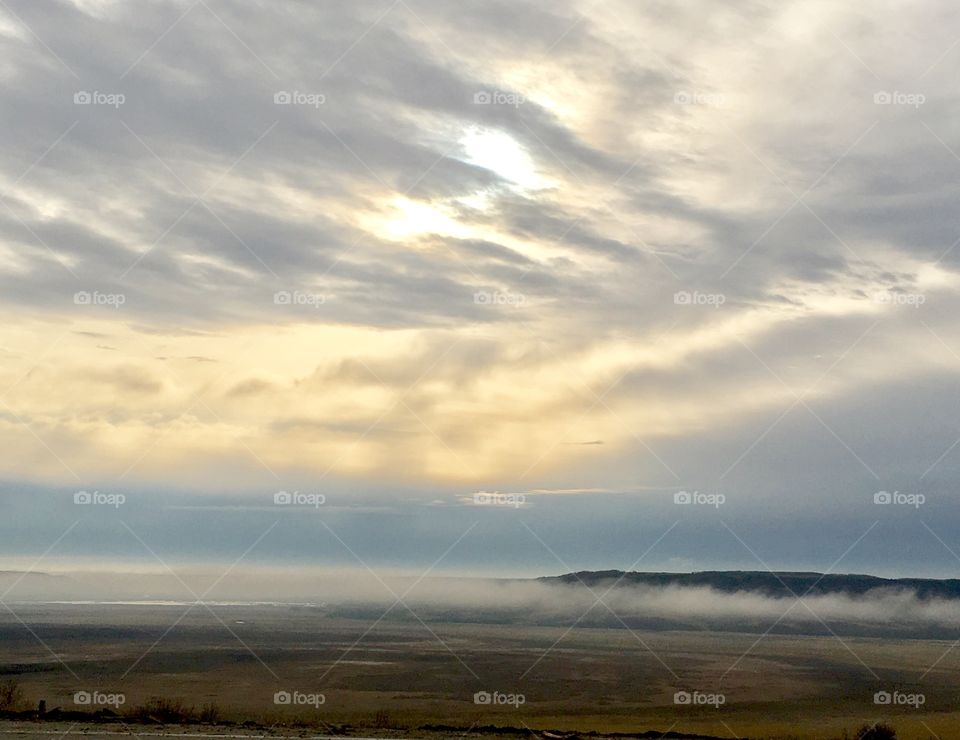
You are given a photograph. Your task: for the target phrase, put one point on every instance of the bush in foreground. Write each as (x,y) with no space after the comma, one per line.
(879,731)
(11,695)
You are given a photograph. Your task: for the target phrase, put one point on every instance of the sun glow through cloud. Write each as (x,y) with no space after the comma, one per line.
(417,281)
(501,153)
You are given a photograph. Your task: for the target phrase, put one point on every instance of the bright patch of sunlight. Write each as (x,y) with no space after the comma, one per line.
(413,217)
(501,153)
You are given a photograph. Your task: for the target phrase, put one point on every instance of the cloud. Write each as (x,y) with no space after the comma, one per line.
(476,242)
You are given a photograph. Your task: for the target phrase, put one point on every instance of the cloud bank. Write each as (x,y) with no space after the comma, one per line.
(520,602)
(497,246)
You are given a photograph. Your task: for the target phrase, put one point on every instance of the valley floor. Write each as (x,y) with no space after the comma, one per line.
(212,670)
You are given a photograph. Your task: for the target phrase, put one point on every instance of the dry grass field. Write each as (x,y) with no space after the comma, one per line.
(397,676)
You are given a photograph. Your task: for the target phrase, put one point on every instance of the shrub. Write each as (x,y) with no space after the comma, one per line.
(210,713)
(878,731)
(11,695)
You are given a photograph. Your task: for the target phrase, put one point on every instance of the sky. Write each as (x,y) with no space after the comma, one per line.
(486,287)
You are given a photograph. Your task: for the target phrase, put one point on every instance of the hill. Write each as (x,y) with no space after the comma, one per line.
(775,584)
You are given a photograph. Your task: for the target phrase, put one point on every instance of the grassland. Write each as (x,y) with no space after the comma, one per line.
(398,675)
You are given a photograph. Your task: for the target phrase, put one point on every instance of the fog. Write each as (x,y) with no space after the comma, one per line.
(352,592)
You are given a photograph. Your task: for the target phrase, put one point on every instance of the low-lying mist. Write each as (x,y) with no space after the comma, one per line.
(360,593)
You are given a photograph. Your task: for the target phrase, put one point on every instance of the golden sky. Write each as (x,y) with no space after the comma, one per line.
(441,246)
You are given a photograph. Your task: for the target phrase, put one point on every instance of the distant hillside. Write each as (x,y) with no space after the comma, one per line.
(783,584)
